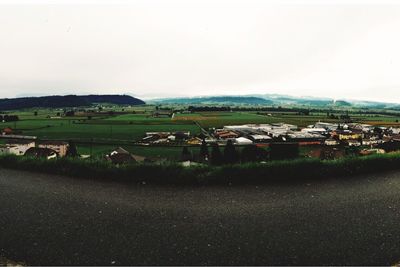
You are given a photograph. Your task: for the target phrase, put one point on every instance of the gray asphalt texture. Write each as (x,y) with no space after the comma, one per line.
(52,220)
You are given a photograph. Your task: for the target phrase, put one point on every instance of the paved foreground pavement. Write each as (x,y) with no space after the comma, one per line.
(51,220)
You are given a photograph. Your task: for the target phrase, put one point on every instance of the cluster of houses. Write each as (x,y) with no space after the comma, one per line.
(30,147)
(179,137)
(320,133)
(336,137)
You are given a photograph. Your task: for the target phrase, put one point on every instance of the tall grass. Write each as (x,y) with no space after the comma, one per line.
(170,173)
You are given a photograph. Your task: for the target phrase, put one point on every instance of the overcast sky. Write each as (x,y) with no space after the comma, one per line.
(188,48)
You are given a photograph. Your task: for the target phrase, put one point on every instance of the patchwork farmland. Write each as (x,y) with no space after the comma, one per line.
(97,132)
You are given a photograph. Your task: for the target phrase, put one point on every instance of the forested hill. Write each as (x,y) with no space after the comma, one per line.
(66,101)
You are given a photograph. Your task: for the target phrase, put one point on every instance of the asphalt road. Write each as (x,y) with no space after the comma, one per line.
(51,220)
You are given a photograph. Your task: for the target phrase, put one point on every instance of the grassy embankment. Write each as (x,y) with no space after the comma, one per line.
(275,171)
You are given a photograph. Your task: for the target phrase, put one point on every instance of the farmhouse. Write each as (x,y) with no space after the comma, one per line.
(365,128)
(40,152)
(286,126)
(226,134)
(347,135)
(19,146)
(322,131)
(353,143)
(5,149)
(243,141)
(331,142)
(395,130)
(326,125)
(305,138)
(165,137)
(365,152)
(371,141)
(60,147)
(7,131)
(121,156)
(194,141)
(238,127)
(260,138)
(162,113)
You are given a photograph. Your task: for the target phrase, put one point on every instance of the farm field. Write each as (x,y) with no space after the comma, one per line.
(116,125)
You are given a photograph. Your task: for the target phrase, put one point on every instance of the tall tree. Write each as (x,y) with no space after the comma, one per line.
(230,154)
(204,151)
(72,151)
(216,156)
(249,153)
(186,155)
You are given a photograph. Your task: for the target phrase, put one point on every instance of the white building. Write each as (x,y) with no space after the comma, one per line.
(17,147)
(331,142)
(4,150)
(58,146)
(260,138)
(243,141)
(315,130)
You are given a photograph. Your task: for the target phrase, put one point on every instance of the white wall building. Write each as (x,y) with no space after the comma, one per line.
(17,147)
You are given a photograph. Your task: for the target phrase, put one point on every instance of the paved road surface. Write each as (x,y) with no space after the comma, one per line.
(50,220)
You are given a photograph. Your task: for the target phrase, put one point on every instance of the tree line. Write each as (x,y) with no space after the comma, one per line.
(9,118)
(250,153)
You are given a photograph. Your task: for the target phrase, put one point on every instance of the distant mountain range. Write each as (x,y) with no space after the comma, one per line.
(276,100)
(260,99)
(66,101)
(251,100)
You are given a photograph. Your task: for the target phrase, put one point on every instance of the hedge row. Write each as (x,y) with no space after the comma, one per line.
(250,173)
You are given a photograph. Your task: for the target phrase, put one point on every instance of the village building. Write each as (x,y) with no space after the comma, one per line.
(305,138)
(181,135)
(395,137)
(321,131)
(289,127)
(60,147)
(331,142)
(238,127)
(365,128)
(260,138)
(371,141)
(394,130)
(243,141)
(226,134)
(121,156)
(353,143)
(365,152)
(13,150)
(19,146)
(326,125)
(344,135)
(160,134)
(7,131)
(194,141)
(162,113)
(41,152)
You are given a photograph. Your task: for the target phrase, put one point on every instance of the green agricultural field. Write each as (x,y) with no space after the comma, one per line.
(129,127)
(86,131)
(105,127)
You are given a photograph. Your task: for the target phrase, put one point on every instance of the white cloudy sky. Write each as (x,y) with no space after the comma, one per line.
(157,48)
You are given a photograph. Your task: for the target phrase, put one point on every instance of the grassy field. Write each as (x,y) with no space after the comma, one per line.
(136,121)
